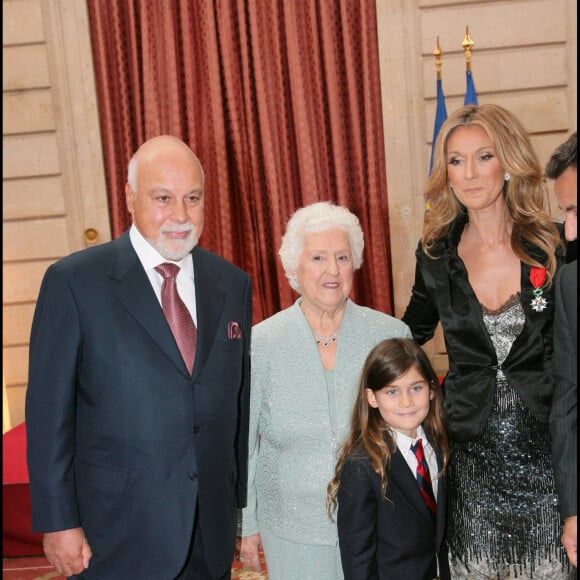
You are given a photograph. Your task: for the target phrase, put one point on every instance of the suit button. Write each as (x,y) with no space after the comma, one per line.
(196,429)
(193,476)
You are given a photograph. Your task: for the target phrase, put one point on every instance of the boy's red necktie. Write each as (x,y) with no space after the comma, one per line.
(423,477)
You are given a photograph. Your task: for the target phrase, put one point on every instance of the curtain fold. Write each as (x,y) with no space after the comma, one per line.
(281,102)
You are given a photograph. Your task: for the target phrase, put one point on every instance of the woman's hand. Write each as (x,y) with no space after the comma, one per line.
(250,552)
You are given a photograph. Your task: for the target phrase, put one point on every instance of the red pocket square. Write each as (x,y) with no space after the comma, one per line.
(234,331)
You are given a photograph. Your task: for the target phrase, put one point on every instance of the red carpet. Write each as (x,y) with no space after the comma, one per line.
(17,539)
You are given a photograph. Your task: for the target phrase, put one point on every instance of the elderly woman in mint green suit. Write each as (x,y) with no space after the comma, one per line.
(306,361)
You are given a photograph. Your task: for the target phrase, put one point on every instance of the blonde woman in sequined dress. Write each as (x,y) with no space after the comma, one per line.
(485,266)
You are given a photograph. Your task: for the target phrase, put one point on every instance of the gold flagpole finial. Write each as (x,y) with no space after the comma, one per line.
(437,54)
(467,44)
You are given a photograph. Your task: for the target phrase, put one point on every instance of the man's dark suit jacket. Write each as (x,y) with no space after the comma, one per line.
(121,440)
(564,413)
(394,537)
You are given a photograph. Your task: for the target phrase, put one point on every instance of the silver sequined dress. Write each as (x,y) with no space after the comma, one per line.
(503,512)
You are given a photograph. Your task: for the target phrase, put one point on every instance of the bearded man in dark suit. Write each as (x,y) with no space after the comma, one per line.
(137,453)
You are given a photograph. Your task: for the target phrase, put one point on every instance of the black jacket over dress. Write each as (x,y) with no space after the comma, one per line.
(442,293)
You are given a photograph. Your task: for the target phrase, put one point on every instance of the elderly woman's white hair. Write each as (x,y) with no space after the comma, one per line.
(318,217)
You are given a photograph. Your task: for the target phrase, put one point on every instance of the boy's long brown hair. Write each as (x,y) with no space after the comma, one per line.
(387,361)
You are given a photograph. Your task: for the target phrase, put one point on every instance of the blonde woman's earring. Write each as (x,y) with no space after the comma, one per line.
(507,176)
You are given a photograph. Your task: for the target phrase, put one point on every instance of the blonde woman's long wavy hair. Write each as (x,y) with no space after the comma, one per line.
(387,361)
(525,193)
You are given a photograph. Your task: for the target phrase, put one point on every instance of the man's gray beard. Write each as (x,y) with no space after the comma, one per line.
(168,249)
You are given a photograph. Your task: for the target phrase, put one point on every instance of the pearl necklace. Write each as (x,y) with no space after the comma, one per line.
(326,340)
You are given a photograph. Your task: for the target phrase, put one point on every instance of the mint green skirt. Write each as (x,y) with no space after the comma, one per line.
(291,561)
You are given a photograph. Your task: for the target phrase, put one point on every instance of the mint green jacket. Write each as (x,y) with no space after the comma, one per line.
(293,444)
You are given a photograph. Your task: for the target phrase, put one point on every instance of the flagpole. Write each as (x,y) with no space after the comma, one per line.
(438,62)
(470,94)
(467,44)
(441,110)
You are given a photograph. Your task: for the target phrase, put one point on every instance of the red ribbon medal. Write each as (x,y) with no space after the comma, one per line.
(537,278)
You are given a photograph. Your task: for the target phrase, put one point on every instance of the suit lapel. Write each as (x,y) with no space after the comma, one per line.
(209,297)
(137,296)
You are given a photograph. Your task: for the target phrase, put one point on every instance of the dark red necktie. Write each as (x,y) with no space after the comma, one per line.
(177,314)
(423,477)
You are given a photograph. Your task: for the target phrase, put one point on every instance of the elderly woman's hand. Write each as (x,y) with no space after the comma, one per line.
(250,552)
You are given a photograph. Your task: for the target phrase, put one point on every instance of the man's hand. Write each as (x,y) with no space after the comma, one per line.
(569,539)
(250,552)
(68,550)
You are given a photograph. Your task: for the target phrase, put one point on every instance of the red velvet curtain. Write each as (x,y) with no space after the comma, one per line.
(280,99)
